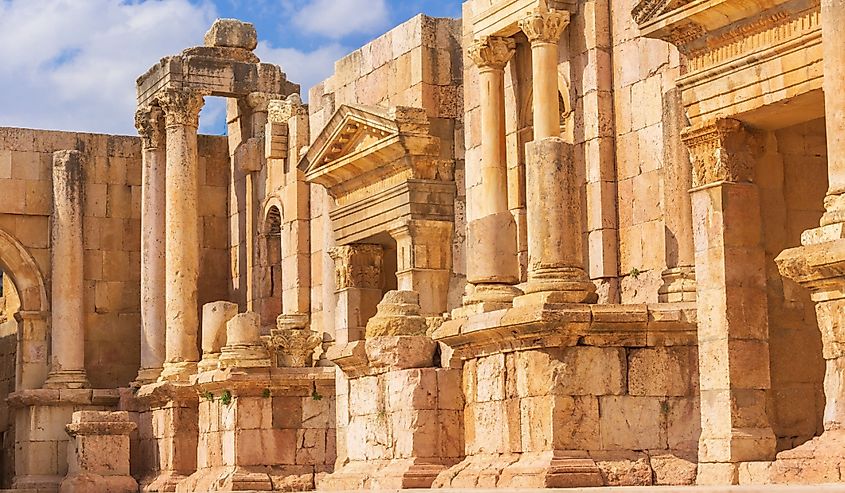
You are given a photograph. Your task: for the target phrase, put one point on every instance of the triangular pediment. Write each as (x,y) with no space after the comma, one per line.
(647,10)
(352,131)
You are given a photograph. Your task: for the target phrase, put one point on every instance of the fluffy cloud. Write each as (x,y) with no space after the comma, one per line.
(72,65)
(338,18)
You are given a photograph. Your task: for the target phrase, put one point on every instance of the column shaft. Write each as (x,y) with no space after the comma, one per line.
(833,37)
(153,205)
(67,364)
(182,234)
(494,170)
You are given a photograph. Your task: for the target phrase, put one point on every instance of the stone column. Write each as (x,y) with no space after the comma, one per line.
(679,276)
(425,261)
(359,288)
(150,125)
(544,28)
(492,265)
(733,330)
(67,362)
(832,19)
(181,112)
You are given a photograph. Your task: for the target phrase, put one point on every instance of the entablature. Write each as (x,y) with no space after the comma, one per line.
(502,18)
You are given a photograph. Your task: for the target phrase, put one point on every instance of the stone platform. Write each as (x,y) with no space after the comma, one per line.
(826,488)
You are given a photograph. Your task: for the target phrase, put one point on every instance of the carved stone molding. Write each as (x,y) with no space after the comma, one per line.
(149,120)
(492,52)
(283,109)
(544,26)
(358,266)
(292,342)
(724,150)
(181,107)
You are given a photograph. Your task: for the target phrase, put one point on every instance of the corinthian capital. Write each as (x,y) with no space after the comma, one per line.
(357,265)
(181,107)
(544,26)
(492,51)
(724,150)
(150,125)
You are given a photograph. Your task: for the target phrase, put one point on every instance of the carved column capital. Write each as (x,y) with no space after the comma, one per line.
(358,266)
(724,150)
(149,120)
(282,110)
(544,26)
(181,107)
(492,52)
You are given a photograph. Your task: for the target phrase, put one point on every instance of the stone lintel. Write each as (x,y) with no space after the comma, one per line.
(64,397)
(818,267)
(531,327)
(160,393)
(254,382)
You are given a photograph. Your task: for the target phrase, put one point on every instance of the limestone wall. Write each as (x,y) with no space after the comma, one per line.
(416,64)
(111,236)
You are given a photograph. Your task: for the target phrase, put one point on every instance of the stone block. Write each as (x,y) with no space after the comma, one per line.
(411,389)
(662,371)
(232,33)
(633,423)
(581,370)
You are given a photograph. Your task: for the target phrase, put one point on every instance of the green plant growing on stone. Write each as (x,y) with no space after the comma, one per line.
(266,393)
(208,396)
(226,397)
(635,273)
(664,407)
(316,395)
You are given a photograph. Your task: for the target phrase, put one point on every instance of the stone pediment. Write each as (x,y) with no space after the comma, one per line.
(364,145)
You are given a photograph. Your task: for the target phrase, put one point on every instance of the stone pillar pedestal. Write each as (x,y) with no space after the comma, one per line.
(425,261)
(358,283)
(67,362)
(733,332)
(181,113)
(173,414)
(243,347)
(492,264)
(555,257)
(215,316)
(98,454)
(41,439)
(399,418)
(263,429)
(150,124)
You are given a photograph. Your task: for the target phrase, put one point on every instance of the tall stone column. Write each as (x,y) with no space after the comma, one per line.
(150,124)
(67,361)
(492,264)
(544,28)
(833,37)
(679,276)
(555,256)
(733,329)
(181,114)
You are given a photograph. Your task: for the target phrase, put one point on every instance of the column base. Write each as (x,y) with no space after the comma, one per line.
(145,376)
(67,379)
(258,478)
(678,285)
(397,474)
(244,356)
(491,294)
(45,484)
(165,482)
(178,372)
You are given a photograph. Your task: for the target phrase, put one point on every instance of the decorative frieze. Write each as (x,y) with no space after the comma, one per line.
(544,26)
(181,107)
(492,52)
(721,151)
(358,266)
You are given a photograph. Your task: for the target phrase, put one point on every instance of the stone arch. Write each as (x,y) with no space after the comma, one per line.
(33,330)
(269,268)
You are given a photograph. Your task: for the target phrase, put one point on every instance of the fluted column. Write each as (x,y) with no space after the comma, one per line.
(181,115)
(543,28)
(733,329)
(833,38)
(150,123)
(492,265)
(67,361)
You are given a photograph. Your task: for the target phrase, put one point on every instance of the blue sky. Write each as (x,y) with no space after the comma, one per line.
(72,64)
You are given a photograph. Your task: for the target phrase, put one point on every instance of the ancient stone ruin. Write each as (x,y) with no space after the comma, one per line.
(553,243)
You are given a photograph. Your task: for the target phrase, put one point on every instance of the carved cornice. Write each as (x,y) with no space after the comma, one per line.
(149,120)
(544,26)
(724,150)
(358,266)
(647,10)
(181,107)
(492,52)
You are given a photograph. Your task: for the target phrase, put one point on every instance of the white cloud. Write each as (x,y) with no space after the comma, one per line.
(338,18)
(72,65)
(304,68)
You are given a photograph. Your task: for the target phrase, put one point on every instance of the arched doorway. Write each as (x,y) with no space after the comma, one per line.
(24,337)
(269,268)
